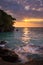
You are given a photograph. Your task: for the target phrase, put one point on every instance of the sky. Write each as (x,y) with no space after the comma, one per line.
(27,12)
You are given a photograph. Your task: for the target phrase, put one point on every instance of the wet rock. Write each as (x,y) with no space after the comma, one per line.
(2,42)
(8,55)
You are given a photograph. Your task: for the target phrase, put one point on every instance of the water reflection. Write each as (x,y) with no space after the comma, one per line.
(25,36)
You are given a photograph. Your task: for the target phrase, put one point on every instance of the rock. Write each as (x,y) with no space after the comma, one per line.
(10,58)
(3,42)
(17,30)
(8,55)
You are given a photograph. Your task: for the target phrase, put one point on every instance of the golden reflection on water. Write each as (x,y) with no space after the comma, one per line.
(25,36)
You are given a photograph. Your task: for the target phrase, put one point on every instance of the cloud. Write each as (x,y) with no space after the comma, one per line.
(41,4)
(37,9)
(23,8)
(9,12)
(27,7)
(0,7)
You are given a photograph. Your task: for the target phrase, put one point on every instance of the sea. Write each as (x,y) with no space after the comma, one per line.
(27,42)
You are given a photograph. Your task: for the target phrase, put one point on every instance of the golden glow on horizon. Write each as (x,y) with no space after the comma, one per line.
(26,24)
(32,20)
(29,22)
(26,20)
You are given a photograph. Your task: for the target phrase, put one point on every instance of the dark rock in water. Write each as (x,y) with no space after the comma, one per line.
(17,30)
(2,42)
(3,52)
(10,58)
(8,55)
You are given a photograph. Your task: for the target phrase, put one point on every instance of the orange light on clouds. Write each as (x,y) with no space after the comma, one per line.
(32,22)
(26,24)
(20,24)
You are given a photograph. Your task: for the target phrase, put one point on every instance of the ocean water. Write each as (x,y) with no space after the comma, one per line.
(26,42)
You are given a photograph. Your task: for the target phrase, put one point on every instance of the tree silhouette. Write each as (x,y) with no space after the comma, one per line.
(6,22)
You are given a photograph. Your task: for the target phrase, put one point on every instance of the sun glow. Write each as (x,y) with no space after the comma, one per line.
(32,20)
(26,20)
(29,22)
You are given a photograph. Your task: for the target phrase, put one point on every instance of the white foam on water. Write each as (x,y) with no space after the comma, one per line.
(2,45)
(29,48)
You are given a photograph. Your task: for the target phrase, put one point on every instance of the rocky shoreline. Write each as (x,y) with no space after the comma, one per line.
(9,57)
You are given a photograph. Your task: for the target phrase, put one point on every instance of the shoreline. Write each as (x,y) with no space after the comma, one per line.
(11,58)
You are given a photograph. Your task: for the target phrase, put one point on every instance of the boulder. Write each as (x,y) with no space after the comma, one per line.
(2,42)
(8,55)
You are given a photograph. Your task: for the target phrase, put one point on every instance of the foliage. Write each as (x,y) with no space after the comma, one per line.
(6,22)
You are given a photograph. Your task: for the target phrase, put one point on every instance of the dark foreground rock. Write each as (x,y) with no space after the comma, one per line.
(3,42)
(8,55)
(34,62)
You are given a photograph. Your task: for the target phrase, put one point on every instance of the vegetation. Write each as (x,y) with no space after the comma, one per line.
(6,22)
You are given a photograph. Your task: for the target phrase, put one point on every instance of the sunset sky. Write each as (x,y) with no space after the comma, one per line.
(28,13)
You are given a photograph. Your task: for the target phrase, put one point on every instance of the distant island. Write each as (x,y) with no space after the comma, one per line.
(6,22)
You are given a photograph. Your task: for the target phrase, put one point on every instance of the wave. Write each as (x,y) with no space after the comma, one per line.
(29,51)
